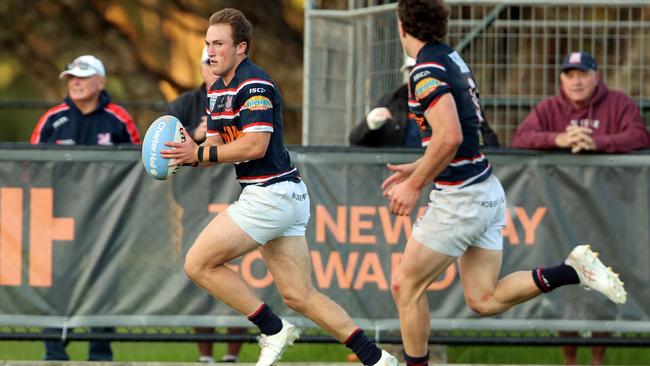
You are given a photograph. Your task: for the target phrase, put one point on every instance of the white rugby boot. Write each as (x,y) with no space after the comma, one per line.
(594,275)
(386,359)
(272,346)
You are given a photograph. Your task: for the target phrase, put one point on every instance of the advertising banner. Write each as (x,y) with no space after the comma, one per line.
(87,238)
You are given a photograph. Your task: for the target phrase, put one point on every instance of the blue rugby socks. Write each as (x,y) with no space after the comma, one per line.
(362,346)
(550,278)
(266,320)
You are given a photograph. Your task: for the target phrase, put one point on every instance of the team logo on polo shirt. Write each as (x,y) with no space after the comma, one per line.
(427,86)
(258,103)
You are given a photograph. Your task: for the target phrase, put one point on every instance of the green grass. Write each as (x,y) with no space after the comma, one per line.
(543,355)
(187,352)
(172,352)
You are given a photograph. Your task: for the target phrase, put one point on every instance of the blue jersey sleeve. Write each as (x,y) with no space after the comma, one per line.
(428,82)
(255,100)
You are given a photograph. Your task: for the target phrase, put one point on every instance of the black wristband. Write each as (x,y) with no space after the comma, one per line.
(200,153)
(214,157)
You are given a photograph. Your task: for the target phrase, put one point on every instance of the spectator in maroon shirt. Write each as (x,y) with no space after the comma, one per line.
(584,116)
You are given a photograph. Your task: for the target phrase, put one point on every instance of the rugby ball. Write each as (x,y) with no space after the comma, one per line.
(163,129)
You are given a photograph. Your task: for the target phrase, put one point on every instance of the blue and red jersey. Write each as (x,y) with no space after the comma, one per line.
(64,124)
(440,70)
(251,103)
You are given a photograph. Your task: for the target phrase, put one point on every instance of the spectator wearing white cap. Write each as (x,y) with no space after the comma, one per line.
(87,116)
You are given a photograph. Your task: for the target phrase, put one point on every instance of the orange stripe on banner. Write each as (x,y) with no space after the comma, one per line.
(44,228)
(11,236)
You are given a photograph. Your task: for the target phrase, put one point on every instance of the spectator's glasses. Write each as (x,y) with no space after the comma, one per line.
(83,66)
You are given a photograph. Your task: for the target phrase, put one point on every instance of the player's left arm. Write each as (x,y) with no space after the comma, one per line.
(255,103)
(248,146)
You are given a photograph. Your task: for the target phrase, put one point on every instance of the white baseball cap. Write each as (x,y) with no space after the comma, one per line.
(205,59)
(408,62)
(84,66)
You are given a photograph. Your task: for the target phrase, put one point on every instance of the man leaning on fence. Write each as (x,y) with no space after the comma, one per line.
(584,116)
(86,117)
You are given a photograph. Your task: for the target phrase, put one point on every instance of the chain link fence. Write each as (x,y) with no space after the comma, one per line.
(352,57)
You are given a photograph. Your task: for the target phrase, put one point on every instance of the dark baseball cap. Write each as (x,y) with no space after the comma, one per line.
(579,60)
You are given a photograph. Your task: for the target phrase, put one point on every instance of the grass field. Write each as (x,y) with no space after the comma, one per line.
(186,352)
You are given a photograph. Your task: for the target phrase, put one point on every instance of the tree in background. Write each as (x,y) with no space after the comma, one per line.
(150,48)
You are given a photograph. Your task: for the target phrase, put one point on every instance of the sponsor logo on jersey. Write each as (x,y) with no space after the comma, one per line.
(256,90)
(427,86)
(258,103)
(421,74)
(213,101)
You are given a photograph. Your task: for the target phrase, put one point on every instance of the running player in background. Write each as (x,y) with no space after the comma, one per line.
(271,214)
(467,204)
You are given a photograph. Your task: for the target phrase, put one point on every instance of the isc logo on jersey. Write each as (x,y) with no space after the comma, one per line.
(421,74)
(258,103)
(426,86)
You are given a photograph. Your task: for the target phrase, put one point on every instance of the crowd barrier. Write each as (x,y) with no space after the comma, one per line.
(88,239)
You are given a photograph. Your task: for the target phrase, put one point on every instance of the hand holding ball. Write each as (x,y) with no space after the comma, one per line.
(164,129)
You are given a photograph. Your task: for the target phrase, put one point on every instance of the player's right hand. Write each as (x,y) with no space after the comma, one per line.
(181,153)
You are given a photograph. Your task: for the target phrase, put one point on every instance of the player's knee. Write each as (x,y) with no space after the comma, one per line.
(395,289)
(192,270)
(296,299)
(481,306)
(193,267)
(403,292)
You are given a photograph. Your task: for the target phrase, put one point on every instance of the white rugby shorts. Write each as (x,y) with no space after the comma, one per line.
(273,211)
(459,218)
